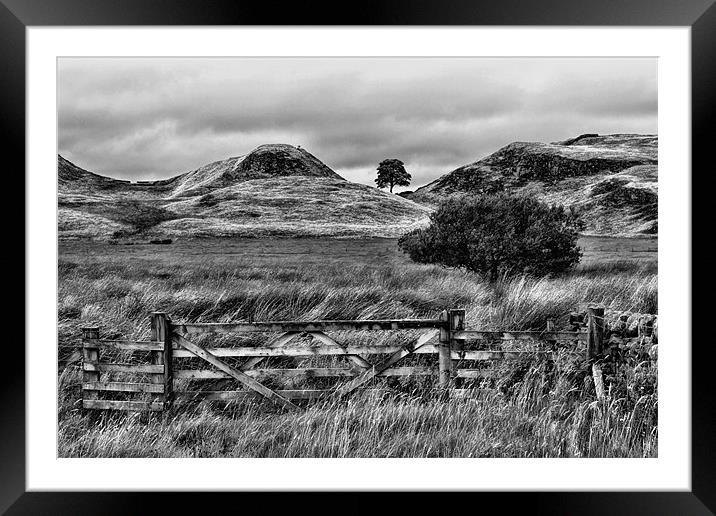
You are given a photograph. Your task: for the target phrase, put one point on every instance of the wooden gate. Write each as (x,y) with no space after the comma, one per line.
(172,345)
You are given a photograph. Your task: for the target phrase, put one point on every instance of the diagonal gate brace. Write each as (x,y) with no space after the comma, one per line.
(280,341)
(385,364)
(235,373)
(359,361)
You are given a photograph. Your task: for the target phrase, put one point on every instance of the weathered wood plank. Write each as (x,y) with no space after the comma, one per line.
(122,405)
(444,358)
(238,375)
(128,345)
(302,351)
(520,335)
(183,397)
(317,372)
(475,373)
(160,332)
(308,326)
(385,364)
(90,353)
(370,350)
(168,364)
(123,387)
(122,368)
(281,341)
(498,355)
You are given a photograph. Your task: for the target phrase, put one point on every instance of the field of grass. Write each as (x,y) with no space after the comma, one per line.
(534,414)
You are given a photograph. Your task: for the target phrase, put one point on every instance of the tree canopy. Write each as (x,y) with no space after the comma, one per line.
(391,172)
(497,233)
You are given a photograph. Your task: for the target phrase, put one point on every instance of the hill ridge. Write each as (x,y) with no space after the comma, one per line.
(611,179)
(278,190)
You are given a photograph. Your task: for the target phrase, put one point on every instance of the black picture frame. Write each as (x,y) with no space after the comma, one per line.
(700,15)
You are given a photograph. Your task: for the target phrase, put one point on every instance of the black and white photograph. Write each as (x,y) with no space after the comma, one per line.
(289,257)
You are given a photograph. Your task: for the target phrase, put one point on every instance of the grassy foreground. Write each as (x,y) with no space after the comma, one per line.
(539,414)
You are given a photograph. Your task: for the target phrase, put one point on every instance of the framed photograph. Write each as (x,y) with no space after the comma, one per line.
(425,247)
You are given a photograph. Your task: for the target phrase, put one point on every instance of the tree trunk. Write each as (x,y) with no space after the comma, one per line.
(391,188)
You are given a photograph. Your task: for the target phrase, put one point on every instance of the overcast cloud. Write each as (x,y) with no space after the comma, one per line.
(156,118)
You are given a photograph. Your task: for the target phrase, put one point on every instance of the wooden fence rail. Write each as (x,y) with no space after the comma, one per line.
(172,344)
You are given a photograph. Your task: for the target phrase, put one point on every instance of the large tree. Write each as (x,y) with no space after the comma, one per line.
(391,172)
(497,233)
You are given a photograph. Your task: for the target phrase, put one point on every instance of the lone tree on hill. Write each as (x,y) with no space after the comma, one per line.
(391,172)
(495,234)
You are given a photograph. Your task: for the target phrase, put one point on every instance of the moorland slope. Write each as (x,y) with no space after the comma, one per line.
(610,180)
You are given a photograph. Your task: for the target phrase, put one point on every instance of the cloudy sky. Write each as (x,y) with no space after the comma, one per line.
(153,118)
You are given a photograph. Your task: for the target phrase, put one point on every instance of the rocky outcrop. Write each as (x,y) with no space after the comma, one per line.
(276,160)
(280,160)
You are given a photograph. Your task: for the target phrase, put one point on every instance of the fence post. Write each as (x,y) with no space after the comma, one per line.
(444,360)
(161,332)
(456,318)
(550,324)
(551,342)
(90,354)
(598,381)
(595,335)
(168,365)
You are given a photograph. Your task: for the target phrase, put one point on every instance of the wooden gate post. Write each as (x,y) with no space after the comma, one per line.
(456,319)
(595,335)
(550,324)
(168,364)
(444,360)
(90,353)
(161,332)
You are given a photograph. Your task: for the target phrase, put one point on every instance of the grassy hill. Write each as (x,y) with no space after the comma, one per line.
(611,180)
(280,190)
(276,190)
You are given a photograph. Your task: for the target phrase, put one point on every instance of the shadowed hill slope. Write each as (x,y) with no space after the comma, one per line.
(611,180)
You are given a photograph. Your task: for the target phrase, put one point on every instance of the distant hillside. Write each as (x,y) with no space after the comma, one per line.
(263,162)
(273,190)
(611,180)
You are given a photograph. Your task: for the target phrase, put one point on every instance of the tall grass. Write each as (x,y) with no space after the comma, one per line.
(525,423)
(536,414)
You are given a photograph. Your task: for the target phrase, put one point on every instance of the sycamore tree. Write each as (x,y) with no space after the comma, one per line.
(391,172)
